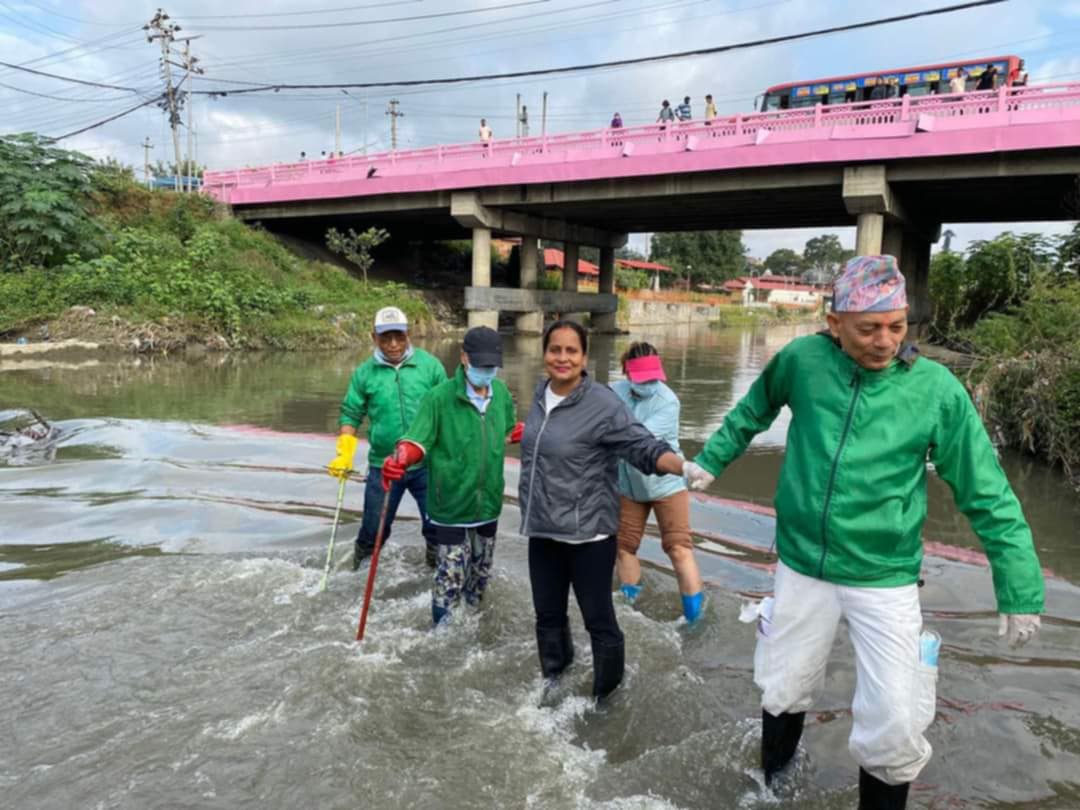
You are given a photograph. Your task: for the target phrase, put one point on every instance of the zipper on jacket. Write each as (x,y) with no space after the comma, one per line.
(400,398)
(532,472)
(856,385)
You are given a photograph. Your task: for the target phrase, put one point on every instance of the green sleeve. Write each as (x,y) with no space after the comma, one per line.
(511,413)
(438,373)
(354,406)
(424,428)
(965,459)
(752,415)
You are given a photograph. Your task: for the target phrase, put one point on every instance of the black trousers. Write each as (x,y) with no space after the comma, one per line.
(588,567)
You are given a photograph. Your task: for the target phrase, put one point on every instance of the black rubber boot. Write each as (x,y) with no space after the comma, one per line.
(360,553)
(556,648)
(779,738)
(877,795)
(431,555)
(608,663)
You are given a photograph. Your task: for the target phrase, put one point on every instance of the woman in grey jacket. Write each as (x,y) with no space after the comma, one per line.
(575,434)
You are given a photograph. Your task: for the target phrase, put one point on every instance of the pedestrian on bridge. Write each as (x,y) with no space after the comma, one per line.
(485,132)
(988,78)
(958,83)
(683,111)
(866,414)
(655,406)
(667,115)
(575,433)
(460,433)
(616,121)
(710,110)
(387,389)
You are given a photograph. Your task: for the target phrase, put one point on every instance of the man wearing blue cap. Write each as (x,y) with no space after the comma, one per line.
(387,389)
(866,414)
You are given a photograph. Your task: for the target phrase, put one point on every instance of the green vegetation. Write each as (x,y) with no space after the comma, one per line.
(1013,304)
(822,259)
(73,233)
(710,257)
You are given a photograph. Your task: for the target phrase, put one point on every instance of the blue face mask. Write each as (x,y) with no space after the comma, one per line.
(383,359)
(644,390)
(482,376)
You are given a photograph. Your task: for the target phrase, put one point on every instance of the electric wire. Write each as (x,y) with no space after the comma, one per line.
(71,79)
(111,118)
(352,23)
(621,62)
(306,13)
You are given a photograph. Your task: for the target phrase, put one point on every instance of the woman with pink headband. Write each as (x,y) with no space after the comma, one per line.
(657,407)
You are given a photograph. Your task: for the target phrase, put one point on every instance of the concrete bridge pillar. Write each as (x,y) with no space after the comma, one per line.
(869,233)
(529,323)
(916,269)
(570,266)
(892,242)
(605,321)
(481,276)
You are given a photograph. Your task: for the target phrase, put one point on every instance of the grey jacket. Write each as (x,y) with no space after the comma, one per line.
(568,488)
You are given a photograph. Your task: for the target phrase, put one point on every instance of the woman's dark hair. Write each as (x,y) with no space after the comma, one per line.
(637,349)
(583,336)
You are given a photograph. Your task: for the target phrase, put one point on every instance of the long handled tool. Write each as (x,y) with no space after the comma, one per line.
(333,534)
(374,564)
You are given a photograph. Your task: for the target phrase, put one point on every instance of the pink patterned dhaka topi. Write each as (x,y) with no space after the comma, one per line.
(870,284)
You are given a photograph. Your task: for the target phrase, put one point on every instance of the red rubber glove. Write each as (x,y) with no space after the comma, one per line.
(405,455)
(515,434)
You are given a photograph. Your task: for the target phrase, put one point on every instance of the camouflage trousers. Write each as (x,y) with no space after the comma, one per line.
(461,571)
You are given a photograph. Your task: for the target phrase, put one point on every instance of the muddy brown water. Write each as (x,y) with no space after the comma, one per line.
(164,643)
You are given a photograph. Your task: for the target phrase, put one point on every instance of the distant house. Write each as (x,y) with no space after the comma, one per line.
(647,267)
(554,259)
(777,291)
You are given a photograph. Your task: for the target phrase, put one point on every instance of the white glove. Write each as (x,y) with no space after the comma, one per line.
(696,476)
(1018,628)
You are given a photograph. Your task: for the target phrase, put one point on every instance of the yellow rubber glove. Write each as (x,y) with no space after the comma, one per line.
(341,466)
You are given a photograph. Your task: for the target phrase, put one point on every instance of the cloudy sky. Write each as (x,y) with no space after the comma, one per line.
(336,41)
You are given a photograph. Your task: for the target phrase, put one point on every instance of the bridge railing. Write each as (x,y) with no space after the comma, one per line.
(975,109)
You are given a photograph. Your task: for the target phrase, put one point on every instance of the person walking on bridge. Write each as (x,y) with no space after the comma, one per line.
(683,111)
(667,115)
(460,433)
(575,433)
(485,132)
(655,406)
(866,414)
(387,388)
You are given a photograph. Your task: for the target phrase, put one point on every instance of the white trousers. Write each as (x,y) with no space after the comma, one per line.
(894,692)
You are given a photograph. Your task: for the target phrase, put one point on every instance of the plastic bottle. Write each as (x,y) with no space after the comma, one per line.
(929,644)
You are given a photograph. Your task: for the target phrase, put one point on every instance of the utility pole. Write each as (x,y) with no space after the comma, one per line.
(517,117)
(190,70)
(395,114)
(543,116)
(337,131)
(165,32)
(147,146)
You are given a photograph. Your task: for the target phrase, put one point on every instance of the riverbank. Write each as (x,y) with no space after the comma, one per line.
(158,271)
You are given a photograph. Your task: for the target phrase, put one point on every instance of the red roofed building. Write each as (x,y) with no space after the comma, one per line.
(783,291)
(554,258)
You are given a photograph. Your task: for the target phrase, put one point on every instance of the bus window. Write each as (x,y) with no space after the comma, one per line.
(923,89)
(785,101)
(772,102)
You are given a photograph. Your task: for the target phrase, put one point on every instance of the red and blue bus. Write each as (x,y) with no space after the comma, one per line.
(914,81)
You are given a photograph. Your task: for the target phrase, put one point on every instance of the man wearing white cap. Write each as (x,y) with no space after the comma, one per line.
(866,414)
(387,389)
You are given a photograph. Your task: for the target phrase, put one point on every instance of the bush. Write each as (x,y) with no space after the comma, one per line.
(627,279)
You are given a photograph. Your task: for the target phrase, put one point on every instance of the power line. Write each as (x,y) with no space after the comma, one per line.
(82,20)
(348,24)
(622,62)
(306,13)
(59,98)
(67,78)
(105,121)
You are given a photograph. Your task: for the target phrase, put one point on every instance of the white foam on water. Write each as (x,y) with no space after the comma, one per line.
(235,729)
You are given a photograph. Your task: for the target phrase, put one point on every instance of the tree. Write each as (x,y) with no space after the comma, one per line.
(161,169)
(713,256)
(629,253)
(44,194)
(357,247)
(785,262)
(1068,252)
(826,256)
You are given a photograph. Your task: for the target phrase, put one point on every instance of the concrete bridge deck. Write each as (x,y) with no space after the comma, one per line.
(896,168)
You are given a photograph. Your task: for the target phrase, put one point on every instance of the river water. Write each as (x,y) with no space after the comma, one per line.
(164,642)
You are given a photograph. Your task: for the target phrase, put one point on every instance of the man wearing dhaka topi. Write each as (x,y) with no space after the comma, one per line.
(867,414)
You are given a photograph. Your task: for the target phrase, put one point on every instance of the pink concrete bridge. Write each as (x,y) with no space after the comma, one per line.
(896,168)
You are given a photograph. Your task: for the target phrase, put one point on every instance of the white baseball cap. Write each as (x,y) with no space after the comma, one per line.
(390,319)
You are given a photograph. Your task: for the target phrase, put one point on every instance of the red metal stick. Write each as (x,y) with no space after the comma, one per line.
(371,571)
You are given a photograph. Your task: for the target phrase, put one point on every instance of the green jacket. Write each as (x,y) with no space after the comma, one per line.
(851,500)
(464,450)
(389,397)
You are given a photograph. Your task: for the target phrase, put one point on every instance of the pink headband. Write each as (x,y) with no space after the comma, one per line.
(644,369)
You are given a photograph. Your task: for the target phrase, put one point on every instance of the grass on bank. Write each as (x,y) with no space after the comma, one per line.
(161,256)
